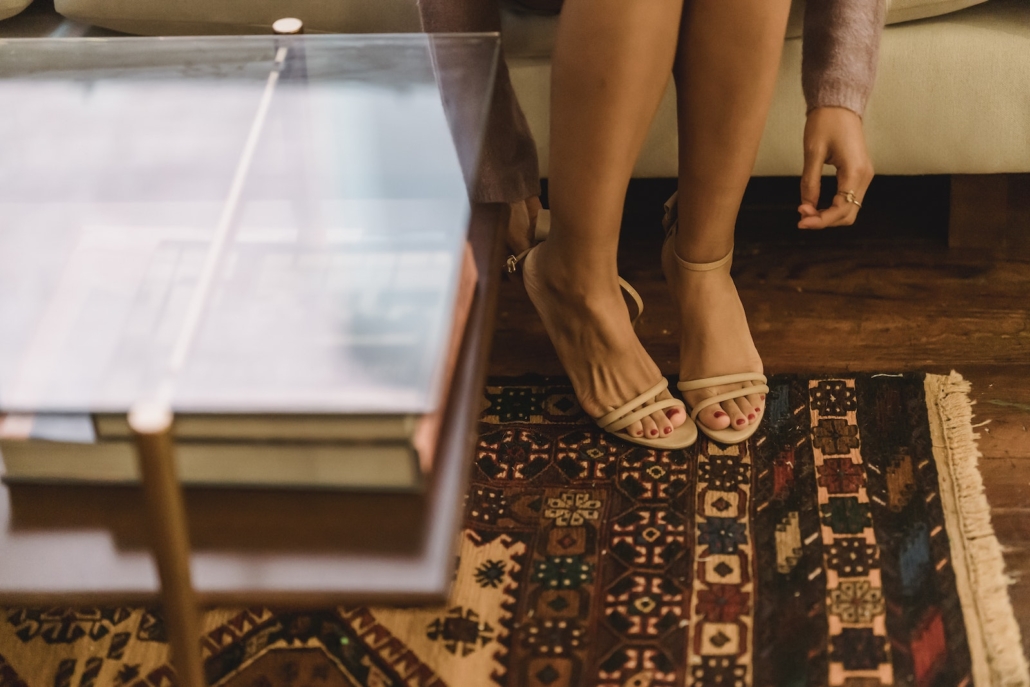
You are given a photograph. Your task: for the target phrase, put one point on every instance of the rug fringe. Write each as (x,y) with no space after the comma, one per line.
(994,637)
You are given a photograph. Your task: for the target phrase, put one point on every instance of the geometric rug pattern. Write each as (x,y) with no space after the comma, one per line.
(814,554)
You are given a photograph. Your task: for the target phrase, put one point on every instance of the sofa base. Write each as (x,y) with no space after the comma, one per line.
(990,212)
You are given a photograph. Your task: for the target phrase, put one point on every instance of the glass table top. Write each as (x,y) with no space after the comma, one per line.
(234,224)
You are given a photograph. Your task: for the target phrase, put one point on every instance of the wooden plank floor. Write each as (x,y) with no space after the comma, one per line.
(885,295)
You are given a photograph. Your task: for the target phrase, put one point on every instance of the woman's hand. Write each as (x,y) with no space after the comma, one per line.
(834,136)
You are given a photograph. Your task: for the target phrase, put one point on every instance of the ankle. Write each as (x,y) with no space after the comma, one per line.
(585,279)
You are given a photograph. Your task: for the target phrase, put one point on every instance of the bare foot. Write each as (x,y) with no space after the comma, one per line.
(714,341)
(588,322)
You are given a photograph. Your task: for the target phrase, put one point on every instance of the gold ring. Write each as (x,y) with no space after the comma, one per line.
(849,196)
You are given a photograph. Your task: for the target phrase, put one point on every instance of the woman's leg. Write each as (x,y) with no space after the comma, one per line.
(726,67)
(611,65)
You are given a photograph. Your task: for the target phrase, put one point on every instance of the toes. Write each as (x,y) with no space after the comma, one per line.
(755,401)
(636,429)
(738,420)
(714,417)
(676,415)
(662,422)
(649,426)
(747,408)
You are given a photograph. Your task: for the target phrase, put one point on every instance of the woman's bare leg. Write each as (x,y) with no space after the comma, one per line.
(726,67)
(611,65)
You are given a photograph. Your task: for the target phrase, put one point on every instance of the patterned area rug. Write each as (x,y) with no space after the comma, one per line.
(847,543)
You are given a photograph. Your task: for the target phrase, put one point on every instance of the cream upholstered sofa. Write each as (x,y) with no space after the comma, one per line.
(952,95)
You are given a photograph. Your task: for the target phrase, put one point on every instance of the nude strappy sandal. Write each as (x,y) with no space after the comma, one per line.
(726,436)
(616,421)
(758,381)
(622,417)
(543,228)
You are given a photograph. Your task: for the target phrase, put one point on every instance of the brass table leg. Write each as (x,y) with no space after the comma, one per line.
(169,535)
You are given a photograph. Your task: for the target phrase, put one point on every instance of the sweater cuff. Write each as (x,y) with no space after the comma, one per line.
(840,51)
(837,94)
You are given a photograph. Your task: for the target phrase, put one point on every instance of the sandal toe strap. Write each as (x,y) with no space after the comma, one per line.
(627,420)
(630,406)
(728,396)
(696,384)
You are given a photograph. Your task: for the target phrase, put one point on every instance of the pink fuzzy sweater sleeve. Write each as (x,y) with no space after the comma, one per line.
(840,48)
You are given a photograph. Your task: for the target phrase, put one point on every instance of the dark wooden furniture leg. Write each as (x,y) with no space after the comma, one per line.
(991,212)
(152,426)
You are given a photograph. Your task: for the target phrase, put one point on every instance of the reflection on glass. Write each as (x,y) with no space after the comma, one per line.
(243,224)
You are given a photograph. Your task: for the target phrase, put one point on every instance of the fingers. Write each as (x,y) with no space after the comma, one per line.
(811,179)
(832,216)
(842,213)
(807,210)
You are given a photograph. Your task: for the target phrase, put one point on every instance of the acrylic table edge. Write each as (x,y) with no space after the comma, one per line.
(460,423)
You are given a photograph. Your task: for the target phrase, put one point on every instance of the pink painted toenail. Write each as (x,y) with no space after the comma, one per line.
(654,432)
(668,430)
(719,413)
(750,416)
(758,410)
(762,397)
(741,421)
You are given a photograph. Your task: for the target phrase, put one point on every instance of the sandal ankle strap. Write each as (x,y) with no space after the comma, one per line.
(512,266)
(703,266)
(671,224)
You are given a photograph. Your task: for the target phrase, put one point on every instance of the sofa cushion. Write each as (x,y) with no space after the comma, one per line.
(528,25)
(531,34)
(897,11)
(195,17)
